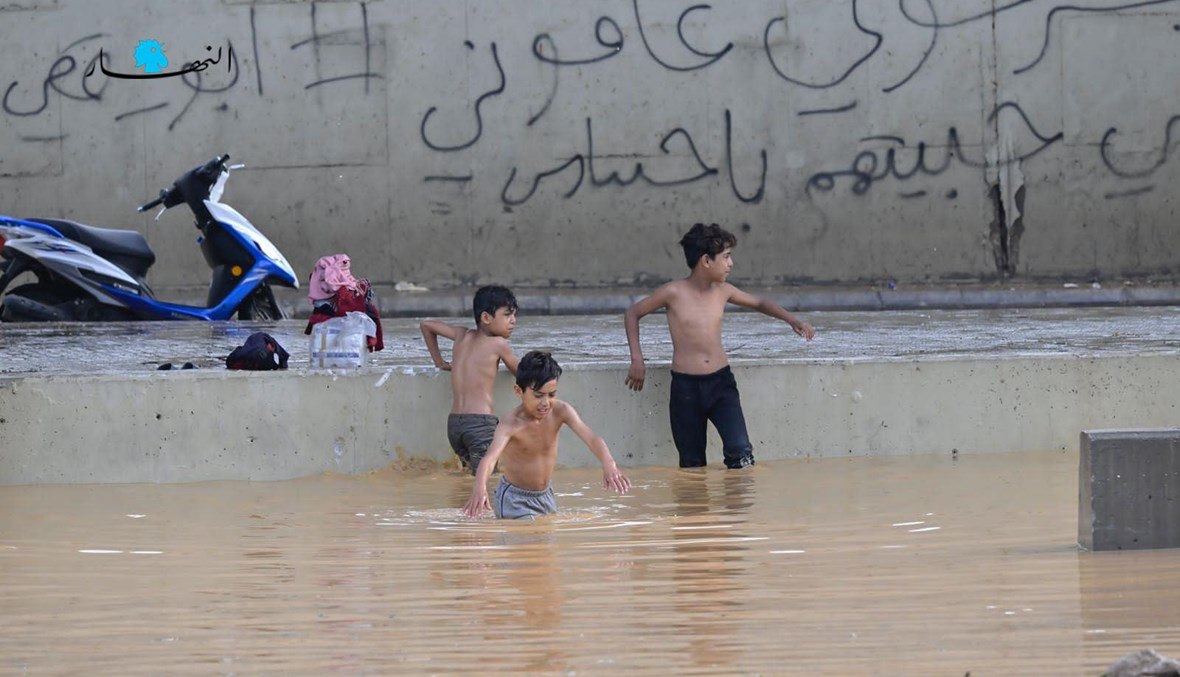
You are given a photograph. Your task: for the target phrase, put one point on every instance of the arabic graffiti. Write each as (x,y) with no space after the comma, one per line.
(83,69)
(495,91)
(762,108)
(868,168)
(1165,149)
(318,41)
(63,66)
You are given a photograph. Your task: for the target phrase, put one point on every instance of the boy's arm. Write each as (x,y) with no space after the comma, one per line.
(612,477)
(479,503)
(768,307)
(431,330)
(638,372)
(508,357)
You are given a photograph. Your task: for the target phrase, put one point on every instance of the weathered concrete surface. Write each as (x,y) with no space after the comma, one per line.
(1129,489)
(84,402)
(438,141)
(200,425)
(599,340)
(804,299)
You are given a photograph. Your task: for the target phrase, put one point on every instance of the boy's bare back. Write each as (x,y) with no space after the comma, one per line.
(475,359)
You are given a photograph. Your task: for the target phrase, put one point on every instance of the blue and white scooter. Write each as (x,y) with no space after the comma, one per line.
(85,273)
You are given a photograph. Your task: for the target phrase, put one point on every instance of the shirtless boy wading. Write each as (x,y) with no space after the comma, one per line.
(703,387)
(475,359)
(526,445)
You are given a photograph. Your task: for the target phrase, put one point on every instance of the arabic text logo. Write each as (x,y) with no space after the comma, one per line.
(149,55)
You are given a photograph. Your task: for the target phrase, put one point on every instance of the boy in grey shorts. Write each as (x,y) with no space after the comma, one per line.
(527,441)
(512,502)
(475,359)
(470,436)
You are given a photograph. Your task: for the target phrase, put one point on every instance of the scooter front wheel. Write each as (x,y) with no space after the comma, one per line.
(260,305)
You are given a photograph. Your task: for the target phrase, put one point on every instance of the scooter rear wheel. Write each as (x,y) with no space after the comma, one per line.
(260,305)
(49,303)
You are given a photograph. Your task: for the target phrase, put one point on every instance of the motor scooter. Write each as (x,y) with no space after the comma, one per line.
(85,273)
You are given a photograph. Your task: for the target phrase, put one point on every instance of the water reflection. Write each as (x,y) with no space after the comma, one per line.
(709,562)
(1123,601)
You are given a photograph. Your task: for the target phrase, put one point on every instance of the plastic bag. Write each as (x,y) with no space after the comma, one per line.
(341,341)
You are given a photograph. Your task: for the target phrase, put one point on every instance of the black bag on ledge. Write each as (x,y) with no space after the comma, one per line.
(260,352)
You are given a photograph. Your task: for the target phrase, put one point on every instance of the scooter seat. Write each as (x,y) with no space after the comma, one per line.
(127,249)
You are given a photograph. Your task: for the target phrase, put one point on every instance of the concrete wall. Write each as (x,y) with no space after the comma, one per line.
(188,426)
(459,142)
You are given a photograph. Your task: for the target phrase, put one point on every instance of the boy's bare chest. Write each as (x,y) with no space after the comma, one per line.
(701,316)
(537,439)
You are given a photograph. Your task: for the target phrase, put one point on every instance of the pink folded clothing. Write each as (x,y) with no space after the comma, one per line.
(346,301)
(331,273)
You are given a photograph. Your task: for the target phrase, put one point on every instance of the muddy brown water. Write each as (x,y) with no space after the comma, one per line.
(899,565)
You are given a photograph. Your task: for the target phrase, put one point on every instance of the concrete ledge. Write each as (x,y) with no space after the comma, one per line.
(1128,486)
(457,302)
(206,425)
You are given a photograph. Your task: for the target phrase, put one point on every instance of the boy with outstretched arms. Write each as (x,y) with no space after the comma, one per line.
(475,358)
(526,446)
(703,387)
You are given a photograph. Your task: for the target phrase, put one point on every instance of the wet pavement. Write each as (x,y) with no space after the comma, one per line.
(599,340)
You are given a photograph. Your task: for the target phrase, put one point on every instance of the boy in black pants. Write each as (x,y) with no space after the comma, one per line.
(703,387)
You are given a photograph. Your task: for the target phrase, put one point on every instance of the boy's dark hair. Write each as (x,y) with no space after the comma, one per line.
(536,369)
(490,298)
(701,240)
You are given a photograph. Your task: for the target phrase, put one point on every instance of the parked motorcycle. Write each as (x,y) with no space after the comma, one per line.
(85,273)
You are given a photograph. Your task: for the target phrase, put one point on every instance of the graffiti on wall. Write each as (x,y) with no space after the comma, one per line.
(883,49)
(82,71)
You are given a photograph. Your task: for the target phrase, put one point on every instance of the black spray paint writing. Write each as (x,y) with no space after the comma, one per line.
(868,167)
(70,63)
(584,162)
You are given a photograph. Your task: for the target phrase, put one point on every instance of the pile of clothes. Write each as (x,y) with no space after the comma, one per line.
(333,292)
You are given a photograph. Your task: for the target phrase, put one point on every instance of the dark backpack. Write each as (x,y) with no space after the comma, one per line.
(260,352)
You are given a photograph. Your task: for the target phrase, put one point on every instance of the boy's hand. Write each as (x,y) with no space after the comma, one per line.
(477,504)
(613,479)
(805,330)
(636,375)
(443,365)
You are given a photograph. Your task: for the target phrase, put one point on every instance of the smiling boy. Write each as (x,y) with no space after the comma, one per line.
(703,387)
(526,445)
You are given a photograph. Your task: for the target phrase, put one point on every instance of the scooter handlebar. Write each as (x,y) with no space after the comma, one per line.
(148,205)
(213,165)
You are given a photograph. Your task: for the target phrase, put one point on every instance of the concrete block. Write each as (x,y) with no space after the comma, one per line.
(1128,484)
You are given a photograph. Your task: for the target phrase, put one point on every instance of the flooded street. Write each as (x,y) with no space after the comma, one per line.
(881,565)
(117,348)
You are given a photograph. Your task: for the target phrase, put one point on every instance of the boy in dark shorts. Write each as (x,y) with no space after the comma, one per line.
(526,443)
(475,359)
(703,387)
